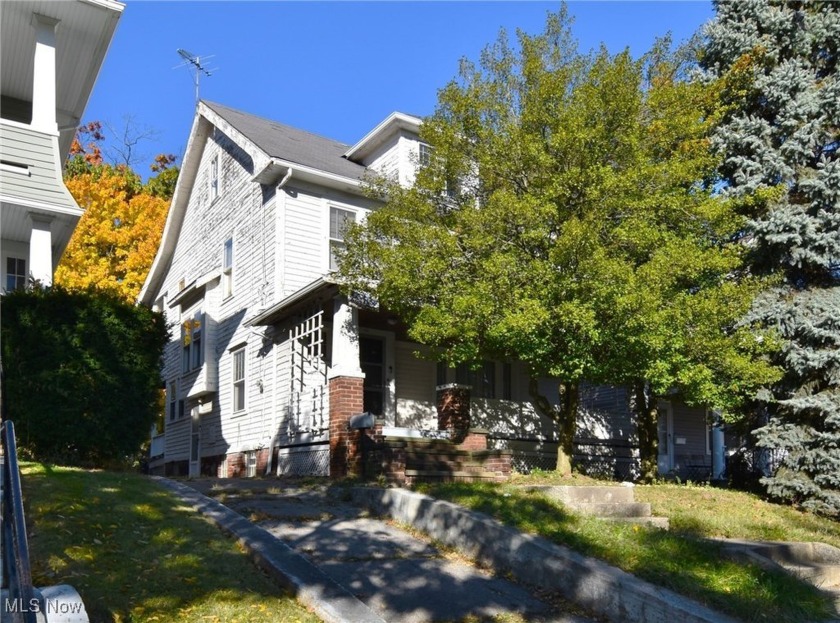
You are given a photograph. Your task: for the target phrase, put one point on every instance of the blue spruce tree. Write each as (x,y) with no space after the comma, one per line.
(776,63)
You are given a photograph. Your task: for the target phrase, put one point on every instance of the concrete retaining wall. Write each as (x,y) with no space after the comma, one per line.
(591,583)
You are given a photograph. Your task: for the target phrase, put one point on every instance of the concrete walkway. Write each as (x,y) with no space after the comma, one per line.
(348,566)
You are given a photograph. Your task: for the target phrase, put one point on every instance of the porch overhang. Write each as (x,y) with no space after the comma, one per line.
(321,288)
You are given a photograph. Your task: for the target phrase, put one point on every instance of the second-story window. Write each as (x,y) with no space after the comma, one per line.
(239,380)
(173,400)
(340,220)
(214,177)
(192,356)
(227,268)
(15,273)
(425,158)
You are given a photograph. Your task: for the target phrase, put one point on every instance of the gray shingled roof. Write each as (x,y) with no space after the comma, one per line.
(291,144)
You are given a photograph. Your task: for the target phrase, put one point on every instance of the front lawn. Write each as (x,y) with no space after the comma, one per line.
(135,554)
(681,559)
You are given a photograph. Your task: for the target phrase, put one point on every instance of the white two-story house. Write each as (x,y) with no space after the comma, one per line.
(268,360)
(51,55)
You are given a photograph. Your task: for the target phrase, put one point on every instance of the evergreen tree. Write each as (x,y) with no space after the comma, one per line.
(778,137)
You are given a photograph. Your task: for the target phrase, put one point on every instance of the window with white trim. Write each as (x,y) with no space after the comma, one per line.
(214,177)
(172,391)
(227,268)
(15,273)
(425,158)
(340,221)
(251,464)
(238,380)
(192,353)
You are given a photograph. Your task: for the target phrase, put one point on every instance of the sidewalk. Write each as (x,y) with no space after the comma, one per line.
(348,566)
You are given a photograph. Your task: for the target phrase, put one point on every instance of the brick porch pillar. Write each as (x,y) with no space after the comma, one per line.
(346,387)
(453,408)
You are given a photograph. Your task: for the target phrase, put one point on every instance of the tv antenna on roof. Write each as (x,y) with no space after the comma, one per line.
(198,68)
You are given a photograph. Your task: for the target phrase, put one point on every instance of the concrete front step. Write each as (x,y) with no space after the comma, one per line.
(614,503)
(816,563)
(662,523)
(442,474)
(612,509)
(586,495)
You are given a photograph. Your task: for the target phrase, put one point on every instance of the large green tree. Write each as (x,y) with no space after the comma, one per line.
(82,373)
(778,137)
(565,218)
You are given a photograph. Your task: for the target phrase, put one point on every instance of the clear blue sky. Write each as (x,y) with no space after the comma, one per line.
(333,68)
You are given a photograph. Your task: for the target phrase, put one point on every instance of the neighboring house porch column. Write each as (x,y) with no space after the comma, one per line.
(346,387)
(43,82)
(40,250)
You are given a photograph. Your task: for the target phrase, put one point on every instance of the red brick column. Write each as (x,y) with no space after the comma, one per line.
(346,399)
(453,408)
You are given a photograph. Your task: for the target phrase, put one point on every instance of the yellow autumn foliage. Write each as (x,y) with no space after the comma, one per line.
(116,240)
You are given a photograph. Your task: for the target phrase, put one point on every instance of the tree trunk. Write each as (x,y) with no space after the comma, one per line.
(647,425)
(565,416)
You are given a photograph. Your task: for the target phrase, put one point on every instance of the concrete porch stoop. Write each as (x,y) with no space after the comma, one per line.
(612,503)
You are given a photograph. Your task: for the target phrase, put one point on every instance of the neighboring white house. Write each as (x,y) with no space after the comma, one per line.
(268,359)
(51,55)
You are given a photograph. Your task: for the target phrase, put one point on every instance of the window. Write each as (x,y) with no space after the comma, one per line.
(251,464)
(425,158)
(214,177)
(227,268)
(192,354)
(482,380)
(340,220)
(173,400)
(15,274)
(239,380)
(507,375)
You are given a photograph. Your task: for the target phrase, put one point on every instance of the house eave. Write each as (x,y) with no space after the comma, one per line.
(394,122)
(276,168)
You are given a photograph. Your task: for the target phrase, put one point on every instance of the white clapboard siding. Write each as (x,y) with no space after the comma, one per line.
(415,387)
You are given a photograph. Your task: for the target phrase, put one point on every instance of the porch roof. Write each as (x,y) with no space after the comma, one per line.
(319,288)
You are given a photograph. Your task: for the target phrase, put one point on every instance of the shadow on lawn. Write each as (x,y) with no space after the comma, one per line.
(130,550)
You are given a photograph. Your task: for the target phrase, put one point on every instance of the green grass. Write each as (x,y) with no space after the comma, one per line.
(136,555)
(681,559)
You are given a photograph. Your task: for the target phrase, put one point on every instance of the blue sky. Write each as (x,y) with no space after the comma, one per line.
(333,68)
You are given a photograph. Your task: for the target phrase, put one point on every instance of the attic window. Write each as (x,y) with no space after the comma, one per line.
(214,177)
(14,167)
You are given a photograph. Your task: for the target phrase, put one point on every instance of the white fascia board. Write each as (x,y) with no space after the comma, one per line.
(177,209)
(45,207)
(281,166)
(381,131)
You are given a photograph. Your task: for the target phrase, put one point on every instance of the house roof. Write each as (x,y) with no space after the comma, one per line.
(290,144)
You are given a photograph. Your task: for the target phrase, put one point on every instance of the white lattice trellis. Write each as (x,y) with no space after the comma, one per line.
(308,391)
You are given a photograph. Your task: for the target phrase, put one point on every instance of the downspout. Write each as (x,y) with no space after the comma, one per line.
(269,466)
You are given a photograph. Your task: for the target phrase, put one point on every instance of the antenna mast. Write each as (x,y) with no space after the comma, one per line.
(198,68)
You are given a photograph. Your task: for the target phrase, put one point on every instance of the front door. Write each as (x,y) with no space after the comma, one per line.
(666,439)
(372,362)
